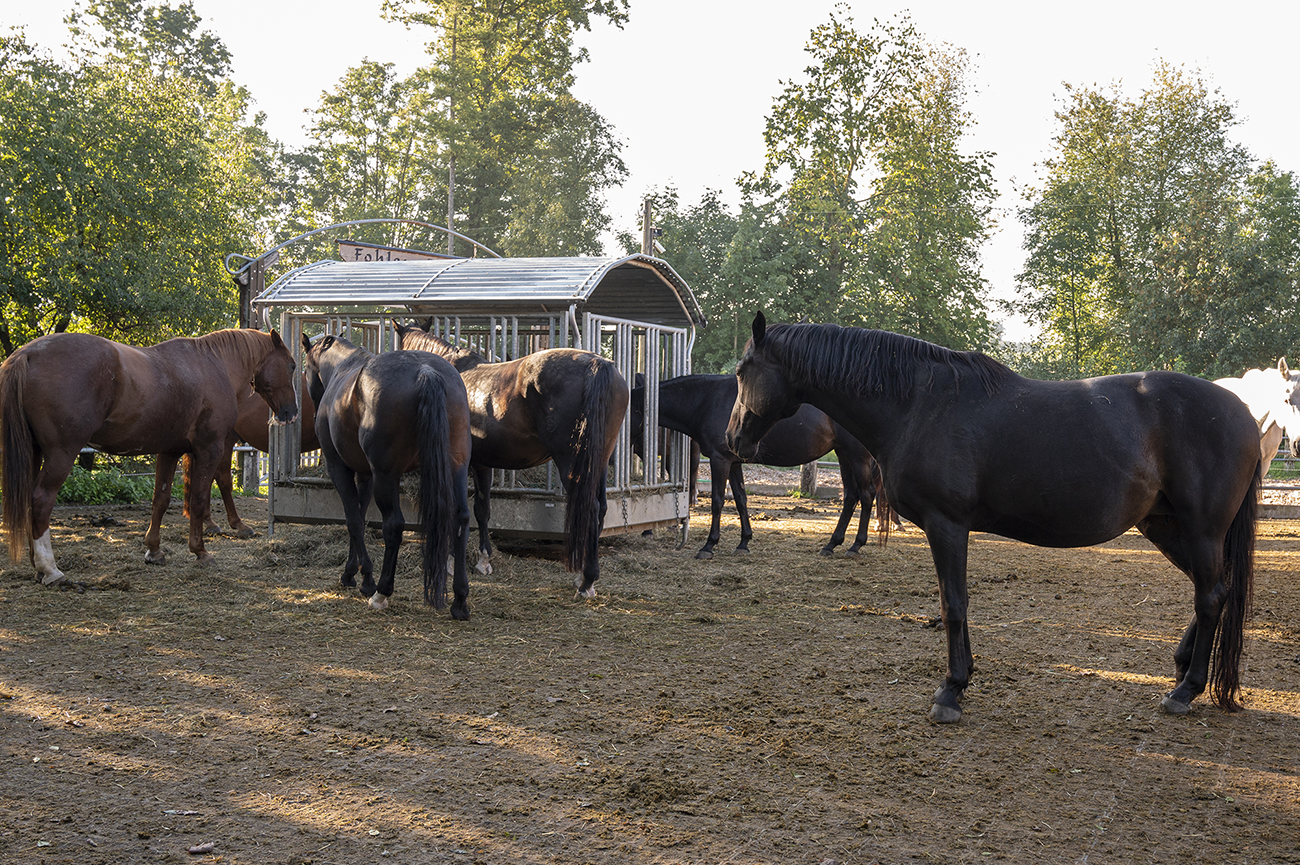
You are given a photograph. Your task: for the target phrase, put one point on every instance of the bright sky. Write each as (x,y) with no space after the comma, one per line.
(687,83)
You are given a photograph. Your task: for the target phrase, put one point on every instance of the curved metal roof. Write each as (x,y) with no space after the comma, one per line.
(635,287)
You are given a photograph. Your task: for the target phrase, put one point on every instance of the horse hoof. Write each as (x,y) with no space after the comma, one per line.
(348,582)
(1175,707)
(211,531)
(155,557)
(378,602)
(483,566)
(52,579)
(460,611)
(941,714)
(244,533)
(589,594)
(826,551)
(704,554)
(741,551)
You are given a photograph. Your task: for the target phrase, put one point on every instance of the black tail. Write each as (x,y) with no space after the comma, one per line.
(582,516)
(437,500)
(19,472)
(1239,579)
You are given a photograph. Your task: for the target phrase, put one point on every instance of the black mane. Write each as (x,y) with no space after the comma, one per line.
(871,361)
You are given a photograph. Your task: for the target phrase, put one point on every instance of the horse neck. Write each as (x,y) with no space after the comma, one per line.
(242,350)
(687,404)
(461,358)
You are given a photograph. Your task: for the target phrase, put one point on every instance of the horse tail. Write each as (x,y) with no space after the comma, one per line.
(19,471)
(582,516)
(1238,578)
(437,484)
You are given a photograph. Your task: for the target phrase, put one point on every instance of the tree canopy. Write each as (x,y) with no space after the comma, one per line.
(1154,241)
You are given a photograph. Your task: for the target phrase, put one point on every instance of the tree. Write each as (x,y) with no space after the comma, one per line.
(499,107)
(1154,220)
(163,39)
(126,178)
(882,213)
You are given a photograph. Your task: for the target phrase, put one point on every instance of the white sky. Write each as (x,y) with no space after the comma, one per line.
(687,83)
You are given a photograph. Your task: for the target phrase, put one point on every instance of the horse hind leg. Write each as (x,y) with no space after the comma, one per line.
(1203,564)
(55,468)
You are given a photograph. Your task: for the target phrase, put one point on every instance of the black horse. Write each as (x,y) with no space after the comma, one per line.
(967,445)
(561,404)
(700,406)
(379,416)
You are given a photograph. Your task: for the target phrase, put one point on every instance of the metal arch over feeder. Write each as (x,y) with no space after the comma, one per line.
(635,310)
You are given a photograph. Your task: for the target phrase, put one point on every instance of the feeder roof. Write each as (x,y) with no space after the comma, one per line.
(634,287)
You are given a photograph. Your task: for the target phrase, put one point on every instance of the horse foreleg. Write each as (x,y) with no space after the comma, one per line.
(226,485)
(718,471)
(482,514)
(949,546)
(203,466)
(737,477)
(163,472)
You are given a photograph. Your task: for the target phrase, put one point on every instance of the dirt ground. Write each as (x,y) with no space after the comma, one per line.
(768,708)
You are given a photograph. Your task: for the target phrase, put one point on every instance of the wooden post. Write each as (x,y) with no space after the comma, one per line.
(808,480)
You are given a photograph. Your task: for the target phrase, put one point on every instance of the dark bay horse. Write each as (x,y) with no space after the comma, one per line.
(967,445)
(560,404)
(379,416)
(251,427)
(700,406)
(64,391)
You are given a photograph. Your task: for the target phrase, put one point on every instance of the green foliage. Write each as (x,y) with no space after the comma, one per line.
(877,214)
(104,486)
(493,108)
(1154,244)
(125,179)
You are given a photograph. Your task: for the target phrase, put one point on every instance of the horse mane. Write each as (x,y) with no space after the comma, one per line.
(445,348)
(871,362)
(250,346)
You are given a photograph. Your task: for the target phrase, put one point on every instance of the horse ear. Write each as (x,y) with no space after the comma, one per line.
(427,327)
(1282,368)
(276,342)
(760,327)
(306,343)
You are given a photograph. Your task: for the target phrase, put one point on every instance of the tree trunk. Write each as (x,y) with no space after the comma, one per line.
(808,480)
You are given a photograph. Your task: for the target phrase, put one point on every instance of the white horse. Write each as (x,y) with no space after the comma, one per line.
(1273,397)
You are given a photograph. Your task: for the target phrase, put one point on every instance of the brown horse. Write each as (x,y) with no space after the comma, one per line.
(379,416)
(251,427)
(64,391)
(560,404)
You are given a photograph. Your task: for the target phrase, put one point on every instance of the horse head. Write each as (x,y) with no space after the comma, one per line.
(273,382)
(764,395)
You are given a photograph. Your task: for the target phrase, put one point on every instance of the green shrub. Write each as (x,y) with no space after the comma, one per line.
(104,486)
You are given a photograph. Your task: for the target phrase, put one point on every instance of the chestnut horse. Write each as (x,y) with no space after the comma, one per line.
(700,407)
(252,427)
(65,391)
(967,445)
(560,404)
(379,416)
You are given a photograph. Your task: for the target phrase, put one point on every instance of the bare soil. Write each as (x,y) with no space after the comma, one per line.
(768,708)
